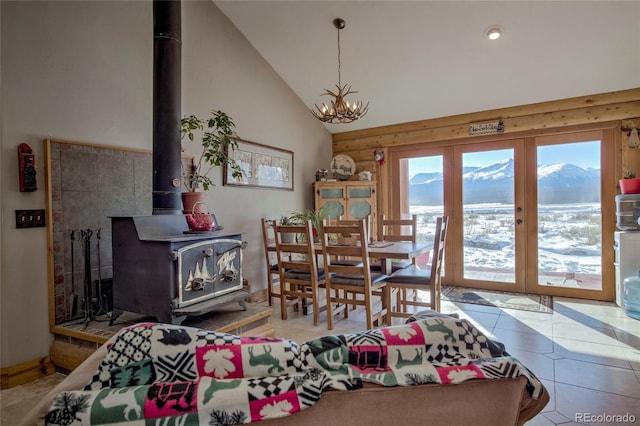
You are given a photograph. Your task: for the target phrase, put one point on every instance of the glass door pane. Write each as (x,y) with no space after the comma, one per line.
(569,215)
(425,197)
(488,226)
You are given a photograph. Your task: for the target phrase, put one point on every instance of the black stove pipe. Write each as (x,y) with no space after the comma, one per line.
(167,51)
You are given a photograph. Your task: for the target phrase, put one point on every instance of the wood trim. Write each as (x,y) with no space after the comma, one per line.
(511,125)
(581,110)
(78,335)
(25,372)
(49,221)
(68,355)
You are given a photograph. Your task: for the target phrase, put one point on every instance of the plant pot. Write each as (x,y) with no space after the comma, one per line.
(288,237)
(189,199)
(630,186)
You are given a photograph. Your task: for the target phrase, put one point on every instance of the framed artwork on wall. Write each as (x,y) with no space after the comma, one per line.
(263,166)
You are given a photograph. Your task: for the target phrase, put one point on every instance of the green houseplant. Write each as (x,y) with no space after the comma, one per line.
(218,141)
(315,216)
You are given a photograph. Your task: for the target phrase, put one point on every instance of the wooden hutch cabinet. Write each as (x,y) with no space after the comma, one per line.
(348,199)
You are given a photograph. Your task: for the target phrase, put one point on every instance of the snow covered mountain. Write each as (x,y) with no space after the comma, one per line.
(493,183)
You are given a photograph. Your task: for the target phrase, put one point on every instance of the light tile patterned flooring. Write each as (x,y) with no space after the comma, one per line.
(586,353)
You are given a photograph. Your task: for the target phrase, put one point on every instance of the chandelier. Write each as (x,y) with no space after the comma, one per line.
(339,110)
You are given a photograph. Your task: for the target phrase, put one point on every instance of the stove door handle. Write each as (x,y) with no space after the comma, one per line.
(241,245)
(208,252)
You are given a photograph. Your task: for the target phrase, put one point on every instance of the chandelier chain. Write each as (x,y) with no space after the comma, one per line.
(339,64)
(338,109)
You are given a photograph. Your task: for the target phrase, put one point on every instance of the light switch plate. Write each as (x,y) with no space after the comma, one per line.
(30,219)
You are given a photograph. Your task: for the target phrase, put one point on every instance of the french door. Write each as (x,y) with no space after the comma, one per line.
(533,214)
(571,222)
(488,208)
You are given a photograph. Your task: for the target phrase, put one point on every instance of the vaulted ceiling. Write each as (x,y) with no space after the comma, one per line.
(414,60)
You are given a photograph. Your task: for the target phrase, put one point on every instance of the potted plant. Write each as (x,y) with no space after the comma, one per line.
(288,237)
(315,216)
(630,184)
(219,140)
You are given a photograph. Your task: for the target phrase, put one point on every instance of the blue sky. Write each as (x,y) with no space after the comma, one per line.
(582,154)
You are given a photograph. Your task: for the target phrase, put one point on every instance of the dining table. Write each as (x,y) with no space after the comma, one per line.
(386,251)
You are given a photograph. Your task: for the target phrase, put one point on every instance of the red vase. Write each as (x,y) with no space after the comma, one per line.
(630,186)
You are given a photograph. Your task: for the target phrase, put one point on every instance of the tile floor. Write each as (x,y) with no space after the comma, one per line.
(586,353)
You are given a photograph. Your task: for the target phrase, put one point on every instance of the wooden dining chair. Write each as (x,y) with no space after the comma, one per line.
(273,273)
(343,260)
(397,230)
(343,281)
(300,277)
(415,279)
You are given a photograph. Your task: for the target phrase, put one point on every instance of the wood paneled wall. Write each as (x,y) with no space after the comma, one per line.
(546,117)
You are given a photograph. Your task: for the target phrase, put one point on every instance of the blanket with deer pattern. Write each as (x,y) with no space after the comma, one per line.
(159,374)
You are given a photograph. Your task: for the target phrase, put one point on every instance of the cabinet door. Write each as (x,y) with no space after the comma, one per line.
(360,202)
(333,199)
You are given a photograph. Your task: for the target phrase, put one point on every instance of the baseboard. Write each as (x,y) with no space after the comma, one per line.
(26,372)
(66,356)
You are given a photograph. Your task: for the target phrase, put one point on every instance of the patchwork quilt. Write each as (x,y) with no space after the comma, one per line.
(160,374)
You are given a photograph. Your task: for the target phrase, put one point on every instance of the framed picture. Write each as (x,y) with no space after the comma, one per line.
(262,165)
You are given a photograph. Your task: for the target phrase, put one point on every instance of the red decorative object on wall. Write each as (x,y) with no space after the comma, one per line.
(26,168)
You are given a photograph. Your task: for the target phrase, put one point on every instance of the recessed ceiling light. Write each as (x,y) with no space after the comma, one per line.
(494,33)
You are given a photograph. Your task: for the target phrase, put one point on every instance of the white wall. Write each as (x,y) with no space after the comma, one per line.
(82,71)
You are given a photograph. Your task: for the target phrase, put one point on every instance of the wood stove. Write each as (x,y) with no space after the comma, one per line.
(162,270)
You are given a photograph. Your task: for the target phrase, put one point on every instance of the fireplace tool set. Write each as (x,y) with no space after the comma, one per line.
(93,304)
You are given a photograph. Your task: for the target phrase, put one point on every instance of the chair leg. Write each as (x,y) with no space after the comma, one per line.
(270,288)
(283,300)
(368,309)
(329,311)
(400,306)
(387,302)
(436,291)
(316,306)
(346,306)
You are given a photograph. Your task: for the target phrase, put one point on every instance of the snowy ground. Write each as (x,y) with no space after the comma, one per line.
(568,247)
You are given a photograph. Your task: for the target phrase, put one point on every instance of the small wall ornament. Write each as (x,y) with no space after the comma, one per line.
(379,157)
(633,142)
(487,128)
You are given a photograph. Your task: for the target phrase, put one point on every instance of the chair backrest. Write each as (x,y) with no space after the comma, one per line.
(357,248)
(297,254)
(398,229)
(268,238)
(354,222)
(437,257)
